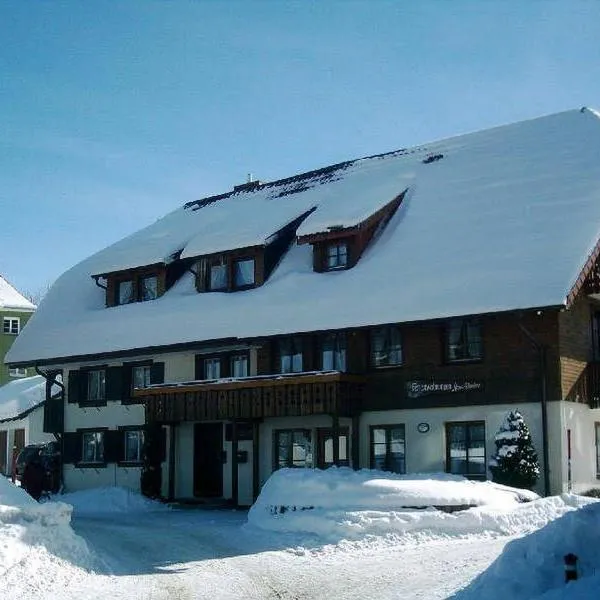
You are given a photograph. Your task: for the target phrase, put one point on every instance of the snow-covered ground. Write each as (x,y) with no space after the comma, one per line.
(357,541)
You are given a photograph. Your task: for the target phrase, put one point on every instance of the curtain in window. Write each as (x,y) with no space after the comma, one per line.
(334,352)
(125,292)
(96,385)
(134,441)
(244,272)
(239,365)
(290,355)
(149,287)
(140,377)
(218,277)
(212,368)
(386,346)
(93,446)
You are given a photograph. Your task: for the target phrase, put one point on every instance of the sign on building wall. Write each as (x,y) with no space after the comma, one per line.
(416,389)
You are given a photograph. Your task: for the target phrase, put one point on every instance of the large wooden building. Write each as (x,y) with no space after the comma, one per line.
(380,313)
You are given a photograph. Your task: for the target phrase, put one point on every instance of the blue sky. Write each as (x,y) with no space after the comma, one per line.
(115,113)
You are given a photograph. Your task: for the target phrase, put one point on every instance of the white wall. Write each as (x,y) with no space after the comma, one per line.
(426,452)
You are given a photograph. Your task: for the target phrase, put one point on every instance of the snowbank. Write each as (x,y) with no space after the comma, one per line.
(29,529)
(110,500)
(341,504)
(533,567)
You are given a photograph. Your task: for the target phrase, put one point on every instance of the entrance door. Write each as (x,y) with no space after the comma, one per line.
(325,450)
(208,460)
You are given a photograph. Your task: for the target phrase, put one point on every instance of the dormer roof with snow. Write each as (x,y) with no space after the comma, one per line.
(11,299)
(495,220)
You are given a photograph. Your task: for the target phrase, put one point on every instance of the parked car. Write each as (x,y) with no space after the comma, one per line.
(49,456)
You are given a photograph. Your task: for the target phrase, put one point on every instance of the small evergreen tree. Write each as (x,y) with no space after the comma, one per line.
(515,462)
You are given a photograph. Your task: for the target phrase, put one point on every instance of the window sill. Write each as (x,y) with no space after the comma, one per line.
(130,463)
(90,465)
(130,401)
(386,367)
(97,404)
(464,361)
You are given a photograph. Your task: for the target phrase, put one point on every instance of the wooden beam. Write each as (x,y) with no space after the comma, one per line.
(234,463)
(255,459)
(172,449)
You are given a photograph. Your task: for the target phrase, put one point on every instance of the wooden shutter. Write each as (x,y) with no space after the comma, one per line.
(72,447)
(74,386)
(198,367)
(157,372)
(114,384)
(54,415)
(114,446)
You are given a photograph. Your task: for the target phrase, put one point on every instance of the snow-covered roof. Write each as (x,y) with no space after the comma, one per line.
(495,220)
(10,298)
(21,395)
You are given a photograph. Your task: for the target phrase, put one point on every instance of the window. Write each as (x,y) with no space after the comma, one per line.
(386,347)
(125,292)
(290,355)
(96,385)
(93,447)
(337,256)
(218,277)
(17,372)
(11,325)
(212,368)
(463,340)
(243,273)
(148,288)
(134,443)
(239,365)
(465,449)
(140,377)
(388,448)
(333,356)
(293,448)
(597,450)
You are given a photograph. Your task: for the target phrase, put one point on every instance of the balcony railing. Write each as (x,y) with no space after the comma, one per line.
(286,395)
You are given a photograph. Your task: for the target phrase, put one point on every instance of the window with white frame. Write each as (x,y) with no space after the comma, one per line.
(96,385)
(17,372)
(134,443)
(239,365)
(93,447)
(11,325)
(212,368)
(337,256)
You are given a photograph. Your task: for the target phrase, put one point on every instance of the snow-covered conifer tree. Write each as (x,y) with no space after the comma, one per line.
(515,462)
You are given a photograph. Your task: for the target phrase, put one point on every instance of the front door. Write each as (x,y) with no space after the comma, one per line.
(208,460)
(325,449)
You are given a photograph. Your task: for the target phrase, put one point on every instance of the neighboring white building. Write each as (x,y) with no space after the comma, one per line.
(21,417)
(384,312)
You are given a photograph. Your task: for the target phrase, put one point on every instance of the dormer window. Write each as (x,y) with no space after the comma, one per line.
(136,285)
(243,273)
(337,256)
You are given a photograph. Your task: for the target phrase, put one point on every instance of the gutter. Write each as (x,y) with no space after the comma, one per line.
(543,358)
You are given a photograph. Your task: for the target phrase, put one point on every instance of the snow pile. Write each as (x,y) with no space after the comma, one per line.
(533,566)
(110,500)
(341,504)
(30,531)
(10,298)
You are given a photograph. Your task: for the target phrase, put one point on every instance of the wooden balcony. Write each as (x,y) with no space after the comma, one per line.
(587,387)
(288,395)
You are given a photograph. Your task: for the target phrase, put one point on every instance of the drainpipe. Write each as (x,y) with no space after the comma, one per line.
(542,356)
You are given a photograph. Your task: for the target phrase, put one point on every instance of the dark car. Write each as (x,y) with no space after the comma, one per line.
(49,455)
